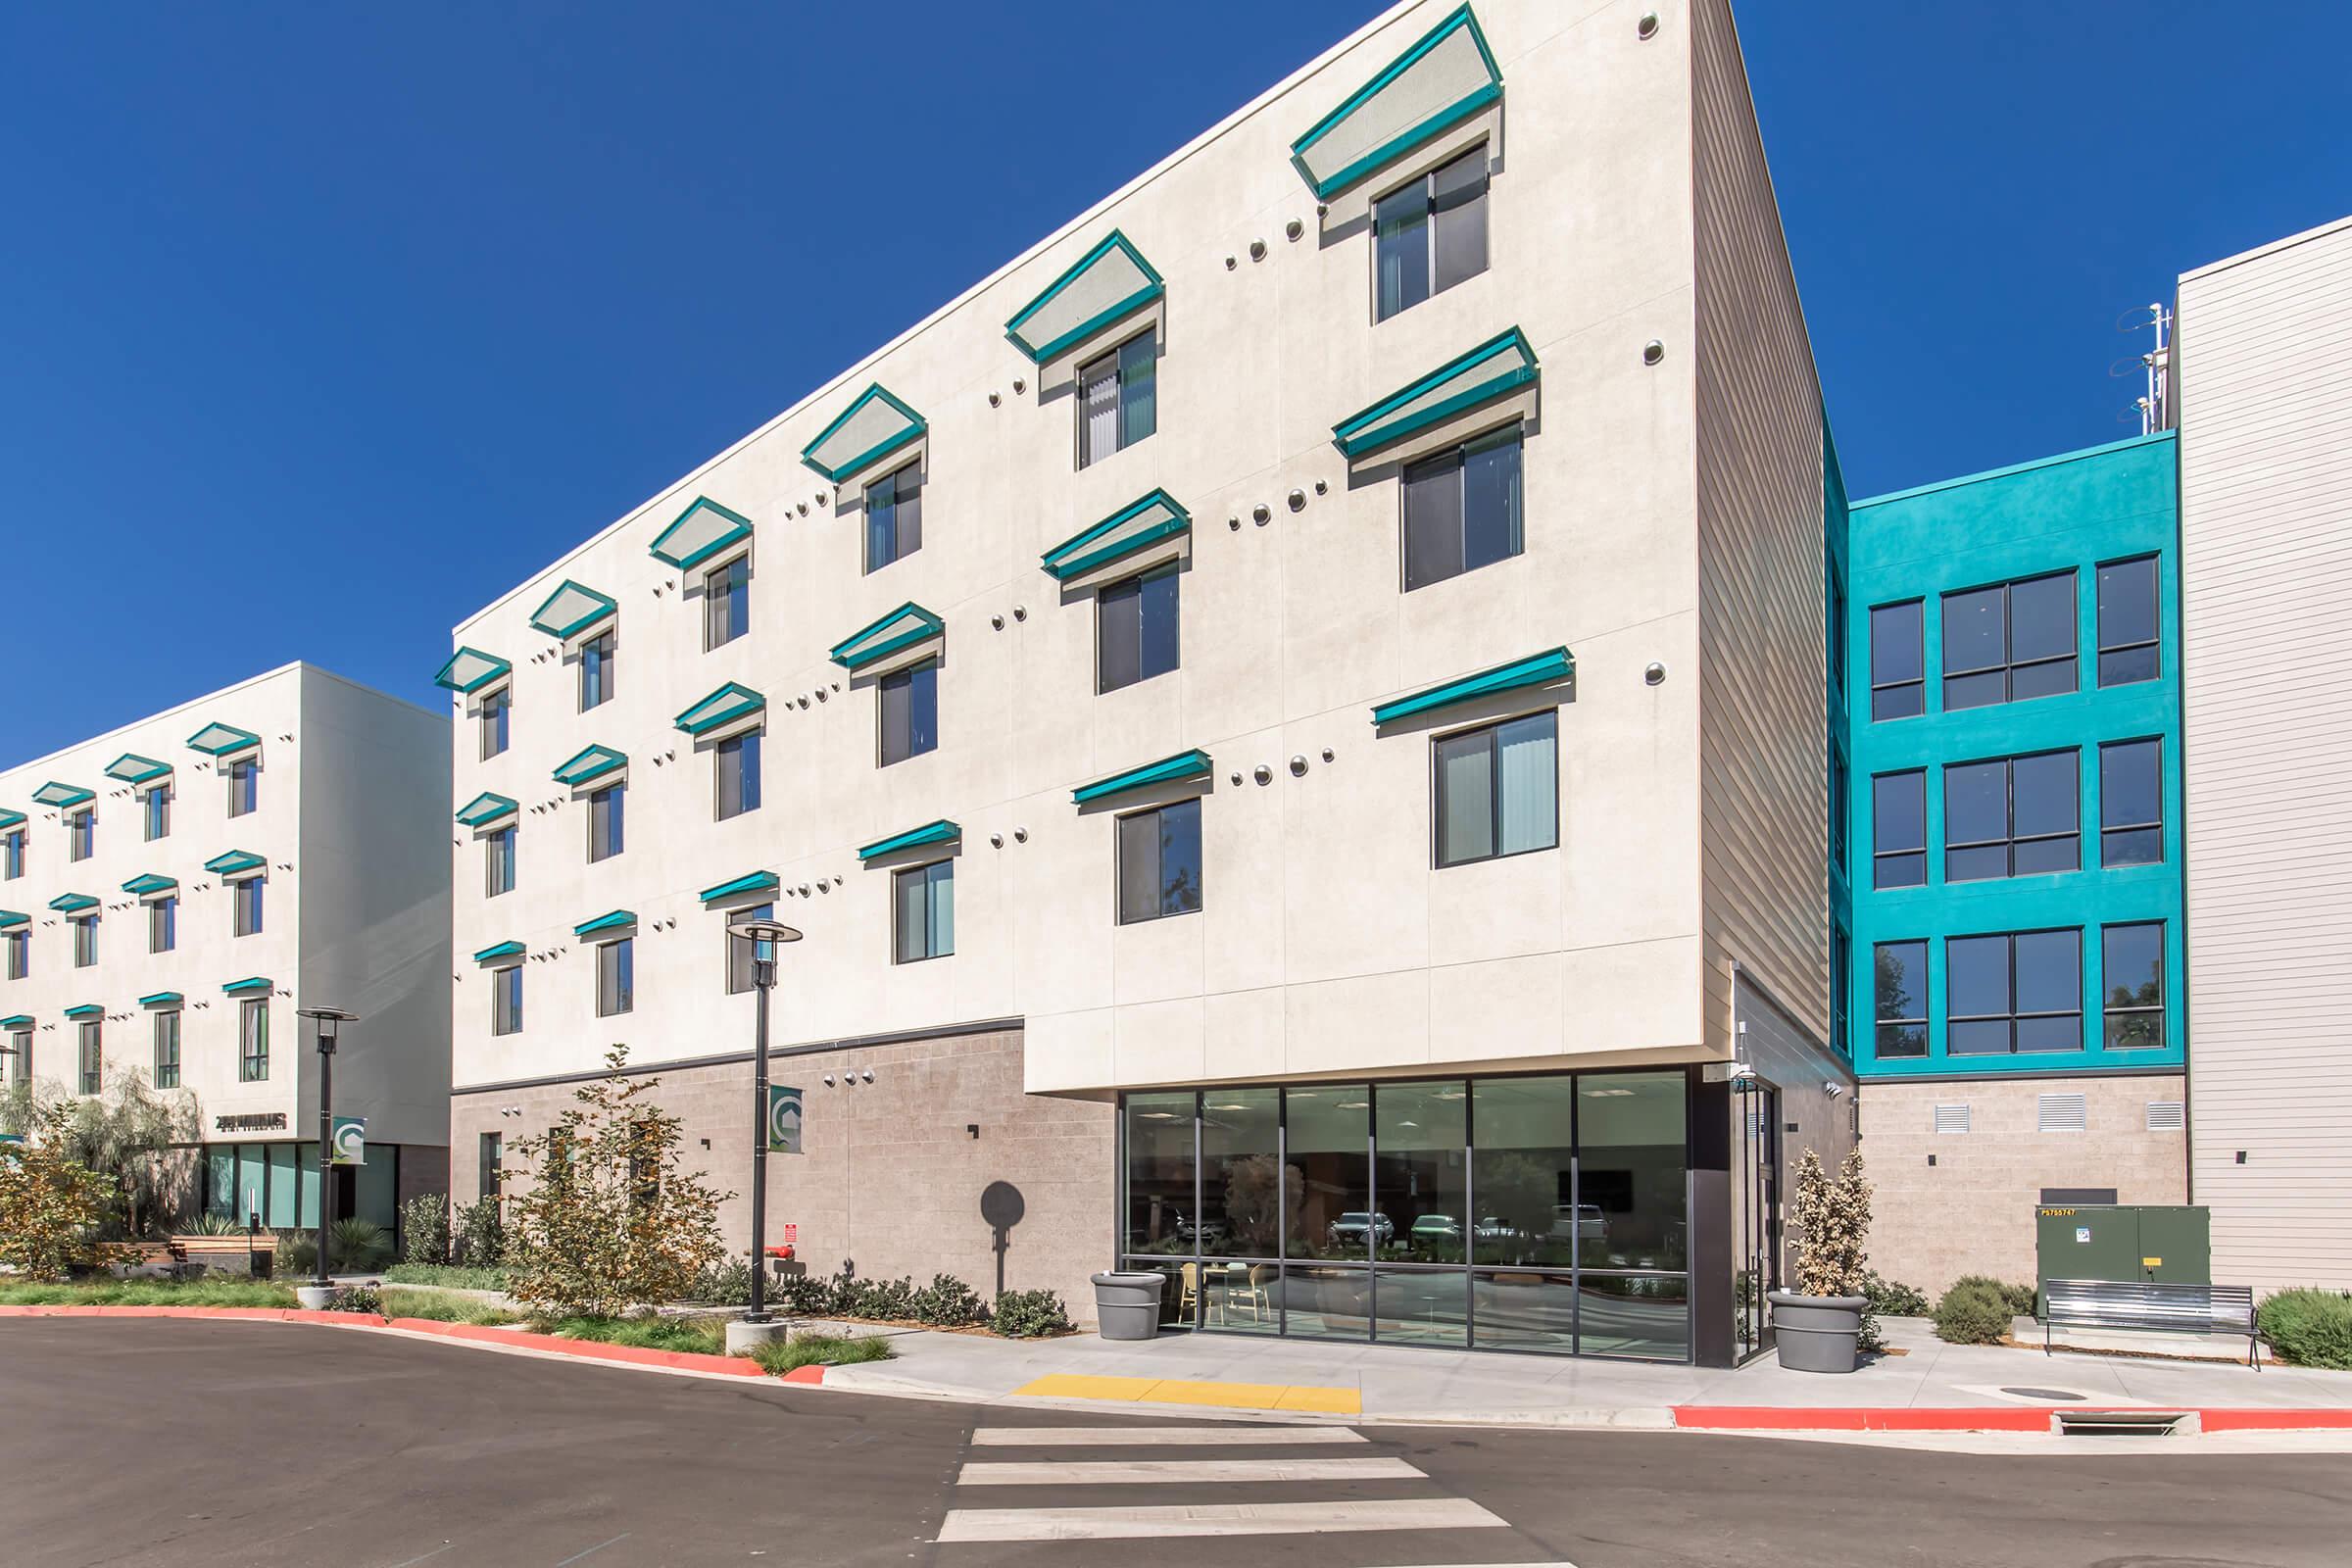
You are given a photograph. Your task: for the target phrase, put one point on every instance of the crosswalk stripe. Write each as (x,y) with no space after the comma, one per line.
(1238,1437)
(1238,1471)
(1212,1519)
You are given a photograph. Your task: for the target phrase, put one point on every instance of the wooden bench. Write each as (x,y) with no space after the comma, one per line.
(202,1249)
(2151,1309)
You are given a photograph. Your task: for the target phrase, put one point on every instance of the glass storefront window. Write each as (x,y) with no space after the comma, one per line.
(1523,1310)
(1631,1143)
(1160,1173)
(1645,1315)
(1242,1174)
(1421,1175)
(1526,1213)
(1330,1150)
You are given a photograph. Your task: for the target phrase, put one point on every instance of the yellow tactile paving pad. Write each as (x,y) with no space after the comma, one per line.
(1179,1391)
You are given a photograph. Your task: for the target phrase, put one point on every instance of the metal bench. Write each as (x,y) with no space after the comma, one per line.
(2151,1309)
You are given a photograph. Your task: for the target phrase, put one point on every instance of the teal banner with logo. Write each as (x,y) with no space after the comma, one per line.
(783,1120)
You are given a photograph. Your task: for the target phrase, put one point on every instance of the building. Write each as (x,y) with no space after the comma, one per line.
(174,889)
(2012,770)
(1292,719)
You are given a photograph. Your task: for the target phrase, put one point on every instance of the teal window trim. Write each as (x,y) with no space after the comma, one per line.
(1194,763)
(1534,670)
(1040,353)
(22,1020)
(218,740)
(254,985)
(499,949)
(606,923)
(1422,132)
(915,429)
(485,808)
(738,527)
(163,999)
(8,819)
(1103,543)
(942,831)
(860,649)
(1380,425)
(449,678)
(755,882)
(600,606)
(63,797)
(86,1010)
(10,919)
(729,703)
(592,762)
(234,863)
(150,883)
(132,768)
(72,902)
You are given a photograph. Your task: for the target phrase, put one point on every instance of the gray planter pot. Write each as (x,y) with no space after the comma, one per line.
(1817,1333)
(316,1298)
(1127,1304)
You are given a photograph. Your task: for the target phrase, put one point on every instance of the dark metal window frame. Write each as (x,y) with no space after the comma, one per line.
(155,810)
(1879,853)
(739,956)
(1170,571)
(1493,729)
(1512,433)
(747,782)
(2110,830)
(245,907)
(19,952)
(905,676)
(85,939)
(621,990)
(244,777)
(900,549)
(1091,370)
(506,999)
(2155,563)
(167,1049)
(2010,842)
(1924,1001)
(497,856)
(1919,633)
(253,1041)
(91,1043)
(163,923)
(2016,1014)
(727,598)
(898,955)
(1425,185)
(11,854)
(607,821)
(1118,865)
(491,720)
(2010,663)
(597,654)
(2110,1011)
(81,834)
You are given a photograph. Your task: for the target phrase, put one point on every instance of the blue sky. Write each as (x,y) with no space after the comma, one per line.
(324,325)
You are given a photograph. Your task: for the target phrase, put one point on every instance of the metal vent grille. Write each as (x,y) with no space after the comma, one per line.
(1951,1118)
(2062,1113)
(2167,1117)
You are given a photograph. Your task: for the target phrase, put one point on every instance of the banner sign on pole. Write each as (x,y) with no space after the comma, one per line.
(349,1142)
(783,1120)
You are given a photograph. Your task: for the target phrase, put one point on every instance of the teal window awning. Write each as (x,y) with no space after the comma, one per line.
(132,768)
(237,862)
(591,764)
(220,740)
(469,670)
(725,706)
(251,985)
(1535,671)
(162,998)
(499,949)
(485,808)
(86,1010)
(149,885)
(1194,763)
(63,797)
(19,1021)
(755,882)
(869,430)
(1107,282)
(606,923)
(1501,365)
(1446,77)
(1138,525)
(939,832)
(902,627)
(571,610)
(8,819)
(72,902)
(700,531)
(10,919)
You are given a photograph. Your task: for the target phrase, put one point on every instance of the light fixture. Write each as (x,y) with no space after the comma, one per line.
(1652,352)
(1646,30)
(1258,250)
(1654,675)
(1298,765)
(1297,500)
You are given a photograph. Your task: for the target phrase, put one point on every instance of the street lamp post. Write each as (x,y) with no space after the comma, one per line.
(326,1021)
(762,935)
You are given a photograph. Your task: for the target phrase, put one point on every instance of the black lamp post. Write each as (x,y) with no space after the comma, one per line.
(326,1021)
(762,935)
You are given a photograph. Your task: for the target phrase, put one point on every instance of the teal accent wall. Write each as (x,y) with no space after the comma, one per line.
(2074,510)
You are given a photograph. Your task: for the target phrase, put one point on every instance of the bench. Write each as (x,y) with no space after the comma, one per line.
(210,1252)
(2151,1309)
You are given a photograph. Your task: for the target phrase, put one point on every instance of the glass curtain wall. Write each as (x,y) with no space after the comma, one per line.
(1541,1213)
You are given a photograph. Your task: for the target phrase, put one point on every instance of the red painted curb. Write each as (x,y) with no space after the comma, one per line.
(804,1374)
(2272,1420)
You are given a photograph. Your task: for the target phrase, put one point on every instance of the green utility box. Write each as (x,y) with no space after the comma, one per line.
(2131,1244)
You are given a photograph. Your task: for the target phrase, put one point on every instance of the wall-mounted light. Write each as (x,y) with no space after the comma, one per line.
(1292,230)
(1258,250)
(1652,352)
(1263,775)
(1298,765)
(1646,30)
(1260,512)
(1655,674)
(1297,500)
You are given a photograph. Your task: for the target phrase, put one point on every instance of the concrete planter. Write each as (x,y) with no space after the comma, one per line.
(316,1298)
(1127,1304)
(1817,1333)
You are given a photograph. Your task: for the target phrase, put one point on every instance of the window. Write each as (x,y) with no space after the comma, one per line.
(505,1000)
(159,812)
(2010,994)
(2128,618)
(738,769)
(1430,235)
(2132,970)
(1159,862)
(85,941)
(908,705)
(1899,983)
(19,1047)
(1118,398)
(163,924)
(2011,816)
(1137,629)
(167,1049)
(1836,613)
(1898,830)
(490,1165)
(742,953)
(923,904)
(495,711)
(615,977)
(607,822)
(498,863)
(894,517)
(596,671)
(1841,981)
(1497,791)
(1898,662)
(12,855)
(2131,803)
(93,1059)
(15,948)
(1841,788)
(253,1042)
(2010,642)
(726,603)
(244,787)
(1462,510)
(82,835)
(248,904)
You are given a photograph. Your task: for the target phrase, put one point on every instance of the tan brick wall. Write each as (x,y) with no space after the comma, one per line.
(890,1176)
(1972,1213)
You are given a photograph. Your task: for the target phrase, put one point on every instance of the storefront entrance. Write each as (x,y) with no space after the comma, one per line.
(1756,1163)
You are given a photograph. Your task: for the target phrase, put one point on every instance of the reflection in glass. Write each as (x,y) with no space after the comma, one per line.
(1330,1131)
(1327,1304)
(1160,1173)
(1629,1181)
(1177,1309)
(1517,1309)
(1241,1171)
(1645,1315)
(1237,1296)
(1523,1170)
(1422,1306)
(1421,1177)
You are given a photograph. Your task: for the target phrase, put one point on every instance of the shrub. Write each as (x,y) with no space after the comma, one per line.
(819,1350)
(424,1228)
(699,1336)
(358,1299)
(227,1292)
(297,1255)
(1892,1298)
(52,1205)
(358,1246)
(802,1296)
(1029,1314)
(947,1302)
(440,1308)
(448,1274)
(211,1225)
(2309,1327)
(477,1235)
(1973,1313)
(2019,1298)
(726,1284)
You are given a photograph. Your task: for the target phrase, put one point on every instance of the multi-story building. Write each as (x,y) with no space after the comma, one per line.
(1291,718)
(172,890)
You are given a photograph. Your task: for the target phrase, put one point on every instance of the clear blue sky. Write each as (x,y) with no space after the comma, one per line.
(324,325)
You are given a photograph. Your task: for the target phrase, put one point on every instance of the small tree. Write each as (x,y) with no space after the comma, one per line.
(1832,1220)
(612,1218)
(52,1206)
(126,1135)
(424,1228)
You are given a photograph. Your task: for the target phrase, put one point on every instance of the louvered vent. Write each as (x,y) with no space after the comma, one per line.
(2062,1113)
(2167,1117)
(1951,1118)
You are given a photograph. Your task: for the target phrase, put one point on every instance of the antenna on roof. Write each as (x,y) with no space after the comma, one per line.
(2155,403)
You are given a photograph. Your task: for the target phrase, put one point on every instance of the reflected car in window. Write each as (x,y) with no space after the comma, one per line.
(1352,1228)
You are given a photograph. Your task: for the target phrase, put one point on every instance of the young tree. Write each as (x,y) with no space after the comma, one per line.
(611,1217)
(51,1204)
(1832,1220)
(126,1135)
